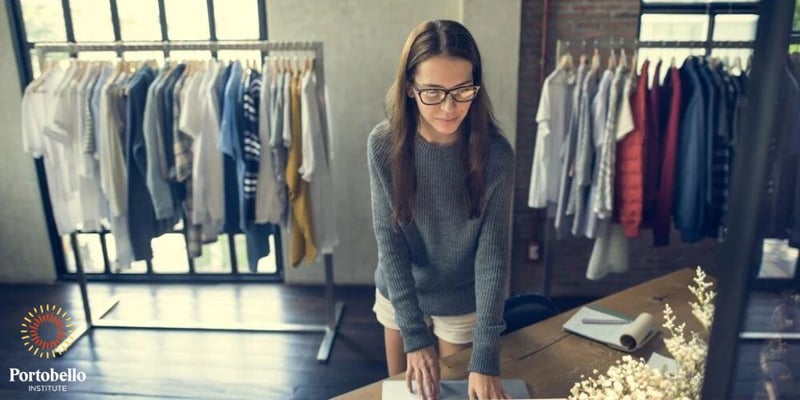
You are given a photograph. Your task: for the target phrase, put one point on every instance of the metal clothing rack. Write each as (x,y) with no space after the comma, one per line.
(333,308)
(561,47)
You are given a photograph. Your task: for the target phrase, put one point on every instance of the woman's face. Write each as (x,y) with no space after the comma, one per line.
(440,123)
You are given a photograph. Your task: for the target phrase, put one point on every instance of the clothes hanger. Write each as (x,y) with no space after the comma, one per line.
(582,59)
(737,65)
(296,65)
(612,60)
(595,59)
(567,63)
(726,60)
(44,71)
(623,58)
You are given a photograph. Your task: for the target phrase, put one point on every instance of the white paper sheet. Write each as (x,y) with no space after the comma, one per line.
(451,390)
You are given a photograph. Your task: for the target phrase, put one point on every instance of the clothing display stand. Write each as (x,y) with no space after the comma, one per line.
(333,308)
(587,47)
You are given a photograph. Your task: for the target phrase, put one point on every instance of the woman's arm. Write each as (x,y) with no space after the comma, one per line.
(491,264)
(393,253)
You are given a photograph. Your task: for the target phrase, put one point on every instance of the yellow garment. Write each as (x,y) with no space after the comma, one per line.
(302,236)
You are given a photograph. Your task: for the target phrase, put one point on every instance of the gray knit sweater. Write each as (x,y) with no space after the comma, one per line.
(466,258)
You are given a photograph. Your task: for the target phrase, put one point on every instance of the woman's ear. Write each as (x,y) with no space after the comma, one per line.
(409,91)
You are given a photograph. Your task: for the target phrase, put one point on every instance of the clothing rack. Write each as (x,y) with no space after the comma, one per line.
(605,44)
(334,309)
(562,46)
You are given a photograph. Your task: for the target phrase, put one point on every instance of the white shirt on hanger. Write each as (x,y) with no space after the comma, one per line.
(268,208)
(552,117)
(207,173)
(287,120)
(38,104)
(315,167)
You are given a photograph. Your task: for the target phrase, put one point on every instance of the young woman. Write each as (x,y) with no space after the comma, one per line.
(441,176)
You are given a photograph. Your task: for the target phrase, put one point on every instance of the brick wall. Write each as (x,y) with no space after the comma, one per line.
(578,20)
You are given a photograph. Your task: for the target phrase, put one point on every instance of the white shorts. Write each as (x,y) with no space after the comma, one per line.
(454,329)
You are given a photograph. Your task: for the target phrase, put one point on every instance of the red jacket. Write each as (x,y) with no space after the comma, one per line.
(631,161)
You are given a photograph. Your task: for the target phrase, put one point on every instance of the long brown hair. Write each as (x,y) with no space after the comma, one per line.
(429,39)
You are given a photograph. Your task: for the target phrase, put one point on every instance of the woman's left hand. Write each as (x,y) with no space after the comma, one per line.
(482,387)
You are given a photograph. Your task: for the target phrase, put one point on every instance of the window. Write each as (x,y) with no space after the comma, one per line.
(703,21)
(140,20)
(44,20)
(187,20)
(91,20)
(229,21)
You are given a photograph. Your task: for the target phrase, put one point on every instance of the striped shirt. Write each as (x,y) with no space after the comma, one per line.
(251,142)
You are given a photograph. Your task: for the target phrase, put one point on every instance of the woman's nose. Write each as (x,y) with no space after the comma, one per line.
(448,103)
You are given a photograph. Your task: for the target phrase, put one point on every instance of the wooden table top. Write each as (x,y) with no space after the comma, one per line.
(551,360)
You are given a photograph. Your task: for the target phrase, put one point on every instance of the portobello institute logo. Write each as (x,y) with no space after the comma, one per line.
(44,328)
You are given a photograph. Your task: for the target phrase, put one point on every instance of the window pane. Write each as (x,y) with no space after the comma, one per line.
(169,254)
(215,258)
(44,20)
(138,20)
(91,20)
(187,19)
(673,27)
(90,252)
(240,245)
(236,19)
(266,265)
(778,260)
(178,55)
(735,27)
(98,55)
(69,255)
(269,263)
(796,25)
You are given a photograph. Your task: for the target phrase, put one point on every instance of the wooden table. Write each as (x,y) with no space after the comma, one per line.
(551,360)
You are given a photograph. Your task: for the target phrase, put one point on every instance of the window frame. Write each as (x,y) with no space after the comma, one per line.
(712,10)
(23,49)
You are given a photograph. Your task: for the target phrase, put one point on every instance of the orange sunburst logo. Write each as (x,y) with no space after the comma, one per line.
(44,328)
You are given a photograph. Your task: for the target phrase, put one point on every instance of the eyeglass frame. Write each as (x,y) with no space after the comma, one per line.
(447,92)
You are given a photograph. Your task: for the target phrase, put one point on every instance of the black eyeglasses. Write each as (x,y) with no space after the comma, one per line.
(432,97)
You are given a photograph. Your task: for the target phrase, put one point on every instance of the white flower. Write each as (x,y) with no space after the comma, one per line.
(632,379)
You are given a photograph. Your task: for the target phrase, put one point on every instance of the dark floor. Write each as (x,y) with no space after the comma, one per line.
(139,364)
(135,363)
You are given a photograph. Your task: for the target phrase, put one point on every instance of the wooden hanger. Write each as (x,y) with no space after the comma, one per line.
(595,60)
(623,58)
(566,63)
(737,66)
(612,60)
(44,70)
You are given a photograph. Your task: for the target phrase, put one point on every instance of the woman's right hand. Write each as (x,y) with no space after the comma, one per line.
(423,368)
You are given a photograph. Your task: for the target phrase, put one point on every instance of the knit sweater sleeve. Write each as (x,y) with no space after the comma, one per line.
(491,262)
(393,254)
